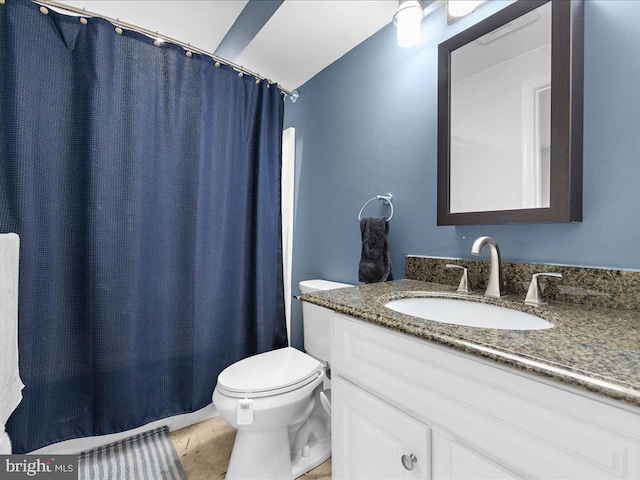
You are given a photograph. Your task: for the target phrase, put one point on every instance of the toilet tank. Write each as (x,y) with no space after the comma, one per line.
(317,320)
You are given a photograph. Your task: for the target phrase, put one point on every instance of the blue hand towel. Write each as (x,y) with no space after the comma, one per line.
(375,261)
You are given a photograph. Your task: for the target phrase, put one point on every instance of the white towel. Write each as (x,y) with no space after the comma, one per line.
(5,443)
(10,384)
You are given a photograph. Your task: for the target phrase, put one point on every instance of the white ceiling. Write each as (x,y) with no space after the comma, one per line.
(203,24)
(299,40)
(522,35)
(305,36)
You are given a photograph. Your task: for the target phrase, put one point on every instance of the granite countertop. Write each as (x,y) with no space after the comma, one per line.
(592,348)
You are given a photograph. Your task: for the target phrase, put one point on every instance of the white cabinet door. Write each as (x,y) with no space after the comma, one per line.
(373,440)
(454,461)
(531,428)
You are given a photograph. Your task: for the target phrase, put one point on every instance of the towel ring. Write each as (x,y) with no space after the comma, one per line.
(387,198)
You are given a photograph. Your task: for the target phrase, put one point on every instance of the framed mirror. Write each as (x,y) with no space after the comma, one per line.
(510,117)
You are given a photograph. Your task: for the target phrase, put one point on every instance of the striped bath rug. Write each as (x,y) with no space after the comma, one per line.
(147,456)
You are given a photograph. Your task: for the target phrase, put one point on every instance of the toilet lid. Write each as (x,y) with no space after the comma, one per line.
(270,373)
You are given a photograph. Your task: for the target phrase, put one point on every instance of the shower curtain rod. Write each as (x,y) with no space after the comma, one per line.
(155,35)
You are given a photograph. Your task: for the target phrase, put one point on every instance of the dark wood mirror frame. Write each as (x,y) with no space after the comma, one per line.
(567,64)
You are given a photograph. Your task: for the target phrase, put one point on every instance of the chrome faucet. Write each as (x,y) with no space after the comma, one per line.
(495,286)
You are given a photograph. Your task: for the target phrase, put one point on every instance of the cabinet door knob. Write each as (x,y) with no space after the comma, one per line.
(408,461)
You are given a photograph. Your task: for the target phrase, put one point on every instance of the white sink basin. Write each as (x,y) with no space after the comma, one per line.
(467,313)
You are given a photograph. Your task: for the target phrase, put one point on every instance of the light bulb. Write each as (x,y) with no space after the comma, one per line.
(460,8)
(408,19)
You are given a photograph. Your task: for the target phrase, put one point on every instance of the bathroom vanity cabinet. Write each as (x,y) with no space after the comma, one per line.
(407,408)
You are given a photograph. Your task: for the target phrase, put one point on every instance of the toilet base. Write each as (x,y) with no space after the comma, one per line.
(260,455)
(266,455)
(320,453)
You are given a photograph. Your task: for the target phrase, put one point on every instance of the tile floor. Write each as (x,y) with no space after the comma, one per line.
(204,450)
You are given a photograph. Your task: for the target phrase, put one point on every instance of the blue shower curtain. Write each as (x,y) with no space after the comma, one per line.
(144,186)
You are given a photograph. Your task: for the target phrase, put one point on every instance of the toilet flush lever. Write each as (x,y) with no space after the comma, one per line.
(465,285)
(534,294)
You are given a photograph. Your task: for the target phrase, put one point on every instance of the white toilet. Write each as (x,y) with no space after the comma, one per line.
(280,402)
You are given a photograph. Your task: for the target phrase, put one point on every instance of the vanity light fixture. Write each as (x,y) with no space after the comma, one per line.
(410,13)
(407,19)
(460,8)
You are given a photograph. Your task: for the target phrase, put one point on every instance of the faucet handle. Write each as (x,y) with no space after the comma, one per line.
(534,294)
(465,285)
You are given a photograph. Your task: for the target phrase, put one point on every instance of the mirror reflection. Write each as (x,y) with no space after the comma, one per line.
(501,117)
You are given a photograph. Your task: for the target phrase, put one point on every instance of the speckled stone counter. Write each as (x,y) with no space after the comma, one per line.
(592,348)
(597,287)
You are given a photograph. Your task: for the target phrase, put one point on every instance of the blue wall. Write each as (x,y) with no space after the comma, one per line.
(367,125)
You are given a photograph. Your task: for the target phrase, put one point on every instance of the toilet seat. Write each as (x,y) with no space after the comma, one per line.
(271,373)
